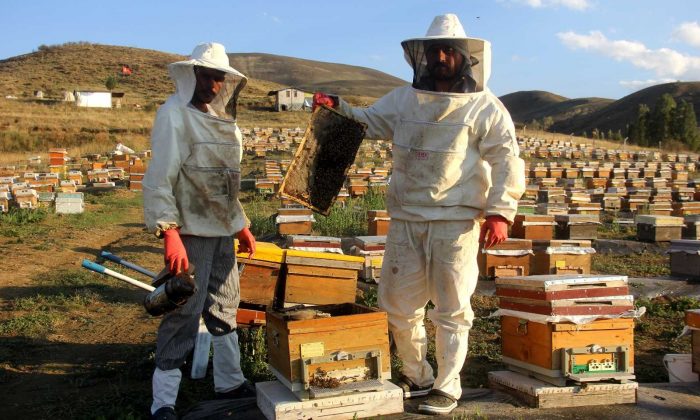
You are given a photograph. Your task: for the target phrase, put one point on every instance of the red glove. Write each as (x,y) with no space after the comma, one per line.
(246,242)
(496,228)
(322,99)
(175,254)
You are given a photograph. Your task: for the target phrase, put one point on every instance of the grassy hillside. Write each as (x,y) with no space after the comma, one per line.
(616,115)
(312,75)
(525,106)
(54,69)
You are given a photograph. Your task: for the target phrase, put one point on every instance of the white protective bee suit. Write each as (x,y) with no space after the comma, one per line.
(192,182)
(455,160)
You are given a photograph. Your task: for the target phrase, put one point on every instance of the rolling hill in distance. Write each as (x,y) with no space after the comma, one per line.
(54,69)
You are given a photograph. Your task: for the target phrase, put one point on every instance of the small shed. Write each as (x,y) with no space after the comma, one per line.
(93,99)
(288,99)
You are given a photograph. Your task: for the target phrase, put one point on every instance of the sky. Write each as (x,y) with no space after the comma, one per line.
(573,48)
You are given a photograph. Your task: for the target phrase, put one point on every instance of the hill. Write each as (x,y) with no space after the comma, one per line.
(616,115)
(54,69)
(525,106)
(311,76)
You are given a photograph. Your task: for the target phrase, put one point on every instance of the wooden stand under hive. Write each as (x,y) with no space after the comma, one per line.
(329,350)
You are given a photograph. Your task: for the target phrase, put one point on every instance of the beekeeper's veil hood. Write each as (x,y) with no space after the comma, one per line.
(446,29)
(213,56)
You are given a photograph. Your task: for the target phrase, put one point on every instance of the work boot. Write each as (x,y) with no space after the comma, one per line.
(411,390)
(164,413)
(438,402)
(246,390)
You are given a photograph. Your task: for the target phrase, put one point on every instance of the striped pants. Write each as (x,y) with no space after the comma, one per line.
(216,300)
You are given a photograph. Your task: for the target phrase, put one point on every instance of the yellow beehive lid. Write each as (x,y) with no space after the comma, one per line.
(324,256)
(264,251)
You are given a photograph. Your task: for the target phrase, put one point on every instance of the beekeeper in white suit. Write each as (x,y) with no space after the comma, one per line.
(455,161)
(191,201)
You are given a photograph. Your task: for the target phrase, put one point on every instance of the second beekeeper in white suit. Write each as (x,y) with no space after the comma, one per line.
(455,161)
(190,196)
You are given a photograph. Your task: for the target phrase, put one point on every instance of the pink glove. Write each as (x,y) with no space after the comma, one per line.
(496,228)
(246,242)
(175,254)
(322,99)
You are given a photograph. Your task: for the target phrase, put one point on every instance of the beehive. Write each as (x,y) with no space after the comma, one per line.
(319,278)
(337,341)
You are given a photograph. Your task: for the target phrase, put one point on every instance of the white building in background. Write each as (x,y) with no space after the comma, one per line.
(93,99)
(288,99)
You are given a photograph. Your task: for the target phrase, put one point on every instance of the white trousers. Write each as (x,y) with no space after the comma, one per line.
(227,373)
(433,261)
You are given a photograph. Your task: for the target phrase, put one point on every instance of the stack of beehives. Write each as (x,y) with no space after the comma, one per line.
(540,338)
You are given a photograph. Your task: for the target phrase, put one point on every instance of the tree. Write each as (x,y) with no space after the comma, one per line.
(111,82)
(687,126)
(535,125)
(609,134)
(637,131)
(547,122)
(660,120)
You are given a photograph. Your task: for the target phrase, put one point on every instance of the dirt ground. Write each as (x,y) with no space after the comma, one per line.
(79,345)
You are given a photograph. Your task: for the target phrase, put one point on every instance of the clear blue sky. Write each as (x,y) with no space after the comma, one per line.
(575,48)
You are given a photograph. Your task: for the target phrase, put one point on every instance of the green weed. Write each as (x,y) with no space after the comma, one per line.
(21,223)
(350,219)
(635,265)
(254,354)
(34,324)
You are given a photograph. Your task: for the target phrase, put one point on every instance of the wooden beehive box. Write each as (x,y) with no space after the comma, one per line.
(685,258)
(533,226)
(691,230)
(260,273)
(351,341)
(314,243)
(294,221)
(565,295)
(539,347)
(371,248)
(692,320)
(577,226)
(319,278)
(507,259)
(561,257)
(377,222)
(321,163)
(653,228)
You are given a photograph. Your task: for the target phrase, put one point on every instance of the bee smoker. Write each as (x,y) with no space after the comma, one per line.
(171,291)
